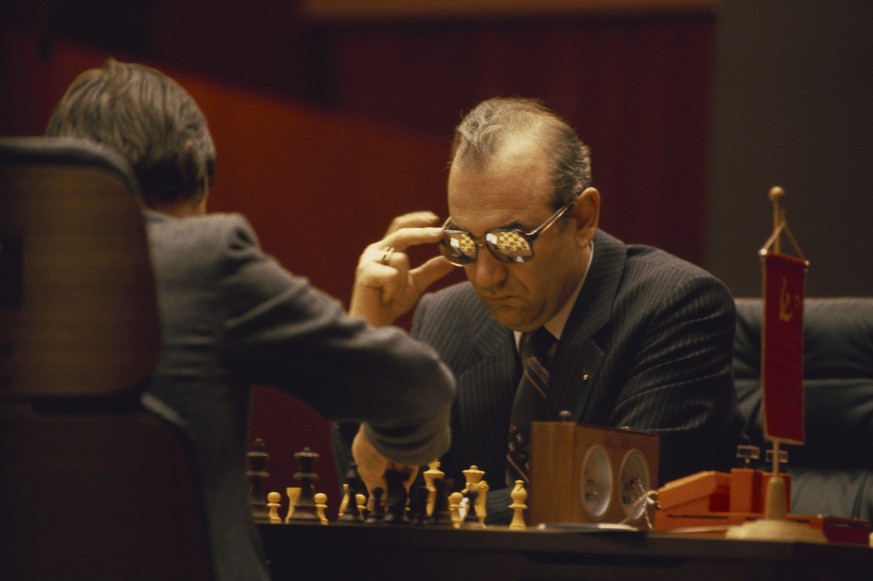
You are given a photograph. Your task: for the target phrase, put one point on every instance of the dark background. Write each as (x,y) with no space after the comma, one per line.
(328,126)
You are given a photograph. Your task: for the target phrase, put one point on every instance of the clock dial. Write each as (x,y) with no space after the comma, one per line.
(596,482)
(634,484)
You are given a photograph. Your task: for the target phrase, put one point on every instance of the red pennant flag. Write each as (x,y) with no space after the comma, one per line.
(782,348)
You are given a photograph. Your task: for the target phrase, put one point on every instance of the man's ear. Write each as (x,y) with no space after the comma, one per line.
(188,165)
(587,214)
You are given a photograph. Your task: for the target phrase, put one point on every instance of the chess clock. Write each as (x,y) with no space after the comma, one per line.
(591,474)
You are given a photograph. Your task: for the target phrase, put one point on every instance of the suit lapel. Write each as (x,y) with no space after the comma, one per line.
(486,384)
(580,355)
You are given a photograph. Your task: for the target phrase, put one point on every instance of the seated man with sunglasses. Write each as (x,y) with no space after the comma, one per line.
(641,338)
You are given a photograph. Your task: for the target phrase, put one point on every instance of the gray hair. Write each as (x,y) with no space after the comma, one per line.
(148,118)
(482,133)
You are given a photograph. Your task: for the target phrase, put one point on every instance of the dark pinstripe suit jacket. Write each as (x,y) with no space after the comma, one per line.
(652,333)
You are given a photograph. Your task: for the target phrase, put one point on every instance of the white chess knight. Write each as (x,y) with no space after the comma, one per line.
(293,493)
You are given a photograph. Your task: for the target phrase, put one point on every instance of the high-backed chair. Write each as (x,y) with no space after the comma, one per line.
(96,478)
(832,472)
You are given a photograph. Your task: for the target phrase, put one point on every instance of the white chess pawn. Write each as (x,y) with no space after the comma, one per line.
(361,501)
(320,506)
(455,499)
(518,495)
(273,499)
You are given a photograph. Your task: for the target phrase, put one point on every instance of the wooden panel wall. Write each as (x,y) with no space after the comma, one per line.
(326,130)
(636,90)
(316,187)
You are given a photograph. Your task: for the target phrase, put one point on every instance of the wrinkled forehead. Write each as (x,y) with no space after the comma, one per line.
(513,188)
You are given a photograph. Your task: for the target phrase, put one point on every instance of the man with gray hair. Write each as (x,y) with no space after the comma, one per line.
(232,317)
(633,336)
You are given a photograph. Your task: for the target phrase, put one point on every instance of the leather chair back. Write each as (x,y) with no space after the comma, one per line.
(832,472)
(97,479)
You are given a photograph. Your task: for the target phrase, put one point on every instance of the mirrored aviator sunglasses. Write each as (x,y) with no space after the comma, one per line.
(509,245)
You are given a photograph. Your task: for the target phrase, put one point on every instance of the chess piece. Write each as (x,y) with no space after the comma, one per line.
(273,499)
(440,513)
(344,502)
(396,497)
(377,507)
(361,502)
(468,508)
(481,510)
(304,508)
(473,476)
(353,486)
(321,506)
(421,516)
(257,460)
(518,496)
(455,499)
(431,475)
(293,493)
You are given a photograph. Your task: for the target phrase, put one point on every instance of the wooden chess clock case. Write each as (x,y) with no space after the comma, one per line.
(591,474)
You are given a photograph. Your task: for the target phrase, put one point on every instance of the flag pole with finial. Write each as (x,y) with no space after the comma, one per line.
(781,376)
(776,195)
(776,501)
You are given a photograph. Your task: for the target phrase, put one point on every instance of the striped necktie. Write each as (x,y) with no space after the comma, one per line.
(531,397)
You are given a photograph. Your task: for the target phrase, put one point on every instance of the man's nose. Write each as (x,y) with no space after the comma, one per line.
(487,270)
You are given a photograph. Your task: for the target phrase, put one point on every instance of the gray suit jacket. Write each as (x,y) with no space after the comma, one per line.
(232,318)
(648,345)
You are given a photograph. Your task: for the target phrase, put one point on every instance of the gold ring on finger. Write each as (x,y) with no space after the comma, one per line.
(386,256)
